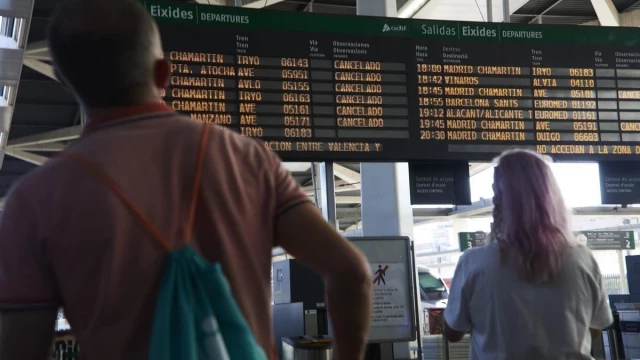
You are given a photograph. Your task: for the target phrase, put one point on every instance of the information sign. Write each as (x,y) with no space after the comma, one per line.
(440,183)
(389,295)
(594,240)
(394,297)
(619,182)
(328,87)
(470,240)
(607,240)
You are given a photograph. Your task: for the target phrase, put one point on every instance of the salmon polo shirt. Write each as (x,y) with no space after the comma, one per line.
(67,240)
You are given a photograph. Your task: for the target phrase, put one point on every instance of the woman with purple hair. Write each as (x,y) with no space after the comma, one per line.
(532,292)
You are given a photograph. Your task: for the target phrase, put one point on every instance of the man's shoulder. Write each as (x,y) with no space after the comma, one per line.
(59,170)
(42,179)
(234,145)
(229,146)
(176,127)
(56,168)
(222,134)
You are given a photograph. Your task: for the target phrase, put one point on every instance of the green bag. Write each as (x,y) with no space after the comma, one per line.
(196,315)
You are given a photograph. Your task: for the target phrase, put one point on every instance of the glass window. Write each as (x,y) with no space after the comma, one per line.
(433,287)
(585,192)
(429,282)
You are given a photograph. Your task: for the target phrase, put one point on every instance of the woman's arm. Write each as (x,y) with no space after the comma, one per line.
(452,335)
(456,316)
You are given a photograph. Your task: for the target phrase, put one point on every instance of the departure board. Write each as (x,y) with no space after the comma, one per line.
(321,87)
(484,88)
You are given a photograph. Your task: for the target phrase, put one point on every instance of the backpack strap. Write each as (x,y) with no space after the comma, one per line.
(117,190)
(195,190)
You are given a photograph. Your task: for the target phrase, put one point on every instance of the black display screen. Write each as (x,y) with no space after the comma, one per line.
(319,87)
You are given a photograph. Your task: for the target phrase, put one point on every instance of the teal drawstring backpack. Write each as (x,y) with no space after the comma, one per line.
(196,315)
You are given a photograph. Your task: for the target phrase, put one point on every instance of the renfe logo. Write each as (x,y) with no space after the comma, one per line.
(387,28)
(171,13)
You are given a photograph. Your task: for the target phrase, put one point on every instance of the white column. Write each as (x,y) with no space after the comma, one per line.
(506,13)
(386,204)
(328,192)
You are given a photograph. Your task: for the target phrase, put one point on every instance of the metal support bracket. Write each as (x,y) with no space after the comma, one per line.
(26,156)
(607,13)
(41,67)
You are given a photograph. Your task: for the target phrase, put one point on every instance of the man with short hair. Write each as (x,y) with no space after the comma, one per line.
(67,240)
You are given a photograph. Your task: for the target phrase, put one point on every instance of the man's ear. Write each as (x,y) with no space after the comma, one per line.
(162,74)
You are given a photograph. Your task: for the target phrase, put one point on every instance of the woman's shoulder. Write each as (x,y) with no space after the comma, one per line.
(481,255)
(579,252)
(580,257)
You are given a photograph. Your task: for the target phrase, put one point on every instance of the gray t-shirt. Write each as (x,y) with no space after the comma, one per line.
(512,319)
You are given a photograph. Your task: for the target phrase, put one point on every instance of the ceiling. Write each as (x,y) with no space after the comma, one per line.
(568,12)
(342,7)
(565,11)
(43,105)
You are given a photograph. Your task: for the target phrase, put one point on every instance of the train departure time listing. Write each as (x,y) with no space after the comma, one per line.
(320,87)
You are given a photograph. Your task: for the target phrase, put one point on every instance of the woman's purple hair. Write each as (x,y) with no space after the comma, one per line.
(530,221)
